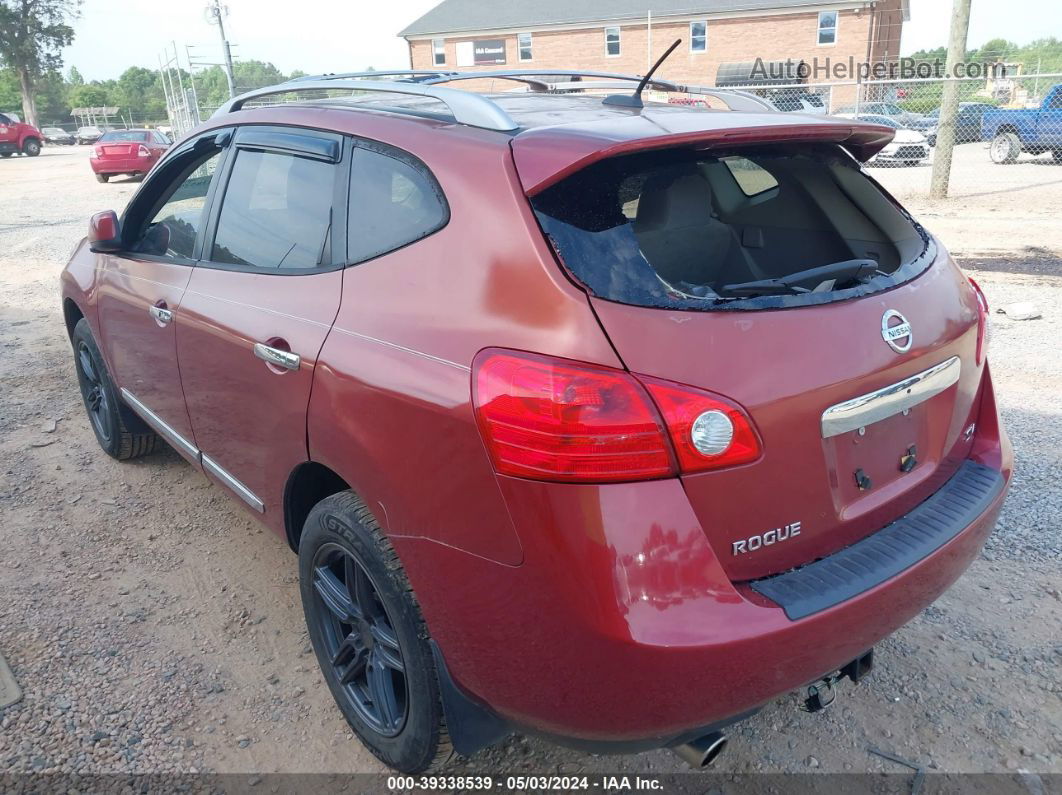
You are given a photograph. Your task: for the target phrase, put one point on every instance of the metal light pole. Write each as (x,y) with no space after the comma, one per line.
(215,12)
(949,103)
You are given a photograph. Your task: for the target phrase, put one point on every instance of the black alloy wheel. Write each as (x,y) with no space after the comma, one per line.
(360,640)
(94,393)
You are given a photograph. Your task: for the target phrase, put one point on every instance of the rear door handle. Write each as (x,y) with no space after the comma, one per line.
(161,314)
(276,357)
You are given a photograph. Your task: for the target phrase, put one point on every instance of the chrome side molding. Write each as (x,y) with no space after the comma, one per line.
(244,493)
(890,400)
(159,425)
(164,430)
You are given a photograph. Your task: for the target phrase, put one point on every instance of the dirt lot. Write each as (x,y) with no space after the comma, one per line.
(994,210)
(156,628)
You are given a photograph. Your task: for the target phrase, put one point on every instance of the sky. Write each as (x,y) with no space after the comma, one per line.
(329,36)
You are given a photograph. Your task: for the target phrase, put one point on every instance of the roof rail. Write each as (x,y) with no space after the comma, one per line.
(410,75)
(520,74)
(466,107)
(734,98)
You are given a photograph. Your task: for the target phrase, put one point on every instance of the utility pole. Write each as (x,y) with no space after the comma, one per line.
(214,12)
(949,103)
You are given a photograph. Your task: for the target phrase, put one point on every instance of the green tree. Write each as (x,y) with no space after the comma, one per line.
(32,33)
(89,95)
(140,93)
(74,77)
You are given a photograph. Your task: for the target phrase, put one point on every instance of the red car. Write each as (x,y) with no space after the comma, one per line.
(17,138)
(132,152)
(603,422)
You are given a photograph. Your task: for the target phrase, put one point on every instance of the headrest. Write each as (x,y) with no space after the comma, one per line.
(674,199)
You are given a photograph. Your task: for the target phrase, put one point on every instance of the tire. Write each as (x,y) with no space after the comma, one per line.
(1056,155)
(120,433)
(6,154)
(341,541)
(31,148)
(1005,148)
(102,177)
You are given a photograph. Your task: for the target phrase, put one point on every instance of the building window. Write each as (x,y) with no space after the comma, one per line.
(438,52)
(698,37)
(523,45)
(612,44)
(827,27)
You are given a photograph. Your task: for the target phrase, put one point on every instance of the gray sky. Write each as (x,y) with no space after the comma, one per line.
(328,36)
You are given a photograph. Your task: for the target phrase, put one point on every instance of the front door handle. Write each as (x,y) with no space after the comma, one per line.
(162,315)
(277,357)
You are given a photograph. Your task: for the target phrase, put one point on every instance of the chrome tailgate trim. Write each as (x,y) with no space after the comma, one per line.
(890,400)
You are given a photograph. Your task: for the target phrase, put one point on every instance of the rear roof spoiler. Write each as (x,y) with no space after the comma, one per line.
(546,155)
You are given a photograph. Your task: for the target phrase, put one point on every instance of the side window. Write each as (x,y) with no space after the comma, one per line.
(172,228)
(751,178)
(1056,101)
(392,203)
(827,27)
(4,119)
(276,213)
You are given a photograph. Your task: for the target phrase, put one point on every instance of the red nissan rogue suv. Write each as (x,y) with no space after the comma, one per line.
(592,419)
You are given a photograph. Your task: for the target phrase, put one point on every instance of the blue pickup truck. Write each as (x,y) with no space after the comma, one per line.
(1035,130)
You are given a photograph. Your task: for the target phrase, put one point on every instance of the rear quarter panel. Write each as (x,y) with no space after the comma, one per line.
(391,406)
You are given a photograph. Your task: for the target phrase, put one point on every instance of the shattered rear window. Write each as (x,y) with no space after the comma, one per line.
(757,228)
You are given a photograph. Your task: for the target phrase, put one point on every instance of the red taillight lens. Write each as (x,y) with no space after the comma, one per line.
(554,419)
(142,151)
(982,321)
(708,431)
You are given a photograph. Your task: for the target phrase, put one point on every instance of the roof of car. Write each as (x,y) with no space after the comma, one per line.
(451,16)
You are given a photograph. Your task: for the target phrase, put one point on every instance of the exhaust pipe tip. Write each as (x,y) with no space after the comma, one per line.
(701,752)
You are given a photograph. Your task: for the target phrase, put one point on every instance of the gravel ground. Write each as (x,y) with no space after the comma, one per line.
(155,628)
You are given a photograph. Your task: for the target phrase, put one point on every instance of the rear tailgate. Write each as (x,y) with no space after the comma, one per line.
(119,150)
(802,499)
(786,368)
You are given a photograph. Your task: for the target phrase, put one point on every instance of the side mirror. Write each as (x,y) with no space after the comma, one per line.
(103,233)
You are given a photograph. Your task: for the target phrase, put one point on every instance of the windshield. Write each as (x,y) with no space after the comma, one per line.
(124,135)
(692,230)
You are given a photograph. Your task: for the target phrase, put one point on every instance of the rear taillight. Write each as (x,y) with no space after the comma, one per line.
(142,151)
(707,430)
(553,419)
(94,153)
(982,322)
(556,419)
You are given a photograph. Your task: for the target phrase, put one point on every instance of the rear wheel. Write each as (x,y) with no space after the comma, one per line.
(102,177)
(369,636)
(120,434)
(1005,148)
(6,154)
(1056,155)
(32,147)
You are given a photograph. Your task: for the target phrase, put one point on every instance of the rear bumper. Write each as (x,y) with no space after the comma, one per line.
(121,165)
(621,628)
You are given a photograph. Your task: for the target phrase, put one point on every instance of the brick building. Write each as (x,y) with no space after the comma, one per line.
(626,35)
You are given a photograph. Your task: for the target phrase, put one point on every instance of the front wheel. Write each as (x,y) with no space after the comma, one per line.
(31,148)
(370,639)
(6,154)
(120,434)
(1005,148)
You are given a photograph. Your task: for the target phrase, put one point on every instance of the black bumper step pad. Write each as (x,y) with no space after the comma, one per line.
(897,546)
